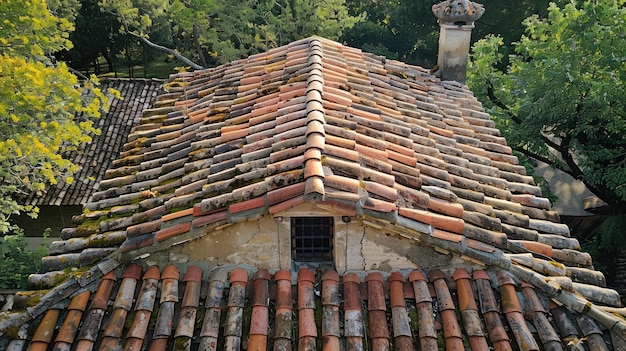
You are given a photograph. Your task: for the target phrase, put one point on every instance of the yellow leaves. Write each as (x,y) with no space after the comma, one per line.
(30,30)
(114,93)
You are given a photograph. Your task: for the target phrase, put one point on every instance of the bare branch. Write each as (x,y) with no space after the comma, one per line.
(167,50)
(77,73)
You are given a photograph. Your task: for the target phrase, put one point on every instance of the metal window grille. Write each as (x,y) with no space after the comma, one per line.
(312,239)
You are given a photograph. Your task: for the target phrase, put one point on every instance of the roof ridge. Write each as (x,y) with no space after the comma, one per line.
(315,120)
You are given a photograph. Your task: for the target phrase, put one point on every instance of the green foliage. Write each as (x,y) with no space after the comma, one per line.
(561,98)
(606,244)
(95,36)
(67,9)
(219,31)
(17,261)
(38,104)
(405,30)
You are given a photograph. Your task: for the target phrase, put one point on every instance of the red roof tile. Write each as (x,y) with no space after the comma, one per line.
(346,133)
(434,318)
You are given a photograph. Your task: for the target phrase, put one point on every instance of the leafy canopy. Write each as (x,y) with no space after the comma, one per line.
(211,32)
(561,99)
(38,104)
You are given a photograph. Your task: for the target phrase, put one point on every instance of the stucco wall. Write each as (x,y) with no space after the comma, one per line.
(386,252)
(570,192)
(250,242)
(266,243)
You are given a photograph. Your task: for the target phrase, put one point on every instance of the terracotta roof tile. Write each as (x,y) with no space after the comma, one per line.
(322,126)
(474,310)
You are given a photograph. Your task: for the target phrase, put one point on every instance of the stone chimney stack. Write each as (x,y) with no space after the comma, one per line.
(456,20)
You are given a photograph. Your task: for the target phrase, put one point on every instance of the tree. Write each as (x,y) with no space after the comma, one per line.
(561,97)
(38,103)
(399,29)
(95,36)
(203,33)
(18,261)
(407,30)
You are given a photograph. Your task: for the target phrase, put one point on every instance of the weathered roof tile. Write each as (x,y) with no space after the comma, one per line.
(344,132)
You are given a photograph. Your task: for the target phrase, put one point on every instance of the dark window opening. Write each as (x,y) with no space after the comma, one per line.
(312,239)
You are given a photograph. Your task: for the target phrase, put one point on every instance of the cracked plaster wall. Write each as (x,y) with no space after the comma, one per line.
(386,252)
(256,243)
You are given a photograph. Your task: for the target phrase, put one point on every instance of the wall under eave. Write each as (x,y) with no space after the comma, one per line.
(570,192)
(266,244)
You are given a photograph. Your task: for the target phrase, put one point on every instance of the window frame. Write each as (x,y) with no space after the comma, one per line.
(308,244)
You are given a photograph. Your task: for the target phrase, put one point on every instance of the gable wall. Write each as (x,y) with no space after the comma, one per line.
(266,244)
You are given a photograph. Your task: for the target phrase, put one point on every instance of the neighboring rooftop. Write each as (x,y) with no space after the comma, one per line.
(95,158)
(318,127)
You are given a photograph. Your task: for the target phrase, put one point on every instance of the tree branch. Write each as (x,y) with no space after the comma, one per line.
(77,73)
(167,50)
(573,170)
(494,99)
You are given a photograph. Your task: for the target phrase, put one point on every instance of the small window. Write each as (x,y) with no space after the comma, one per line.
(312,239)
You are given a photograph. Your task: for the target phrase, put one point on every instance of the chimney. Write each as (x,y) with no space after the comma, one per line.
(456,20)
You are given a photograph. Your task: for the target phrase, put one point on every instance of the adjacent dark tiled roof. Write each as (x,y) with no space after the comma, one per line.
(94,159)
(232,309)
(351,133)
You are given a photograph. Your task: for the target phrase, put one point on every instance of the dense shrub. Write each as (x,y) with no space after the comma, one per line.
(17,261)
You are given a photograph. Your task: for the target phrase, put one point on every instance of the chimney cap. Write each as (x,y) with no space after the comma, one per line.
(454,11)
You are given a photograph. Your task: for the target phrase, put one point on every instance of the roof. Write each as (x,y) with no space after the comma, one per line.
(344,131)
(232,308)
(95,158)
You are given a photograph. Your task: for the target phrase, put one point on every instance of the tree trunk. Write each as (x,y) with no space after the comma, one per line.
(198,47)
(107,58)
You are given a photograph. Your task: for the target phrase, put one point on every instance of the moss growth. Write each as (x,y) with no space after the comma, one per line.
(200,316)
(413,320)
(130,319)
(155,312)
(399,74)
(101,242)
(180,343)
(136,143)
(441,340)
(136,201)
(300,78)
(12,333)
(90,226)
(295,330)
(85,230)
(239,183)
(34,298)
(82,272)
(247,319)
(58,279)
(168,181)
(318,314)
